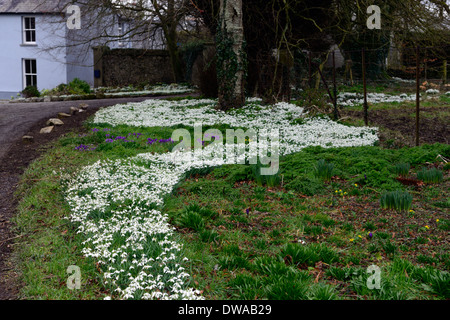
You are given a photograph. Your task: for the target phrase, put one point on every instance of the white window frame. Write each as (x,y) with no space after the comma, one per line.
(122,29)
(31,73)
(31,30)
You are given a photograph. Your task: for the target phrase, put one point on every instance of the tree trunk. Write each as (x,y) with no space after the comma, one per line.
(231,61)
(170,33)
(172,48)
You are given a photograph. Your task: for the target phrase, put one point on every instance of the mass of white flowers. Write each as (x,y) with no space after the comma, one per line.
(352,98)
(294,135)
(166,89)
(117,204)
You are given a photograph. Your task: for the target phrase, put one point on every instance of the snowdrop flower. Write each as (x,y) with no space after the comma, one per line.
(116,202)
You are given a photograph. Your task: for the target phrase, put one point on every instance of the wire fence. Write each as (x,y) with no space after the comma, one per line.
(367,72)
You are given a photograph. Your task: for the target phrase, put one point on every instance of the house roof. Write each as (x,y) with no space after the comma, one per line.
(32,6)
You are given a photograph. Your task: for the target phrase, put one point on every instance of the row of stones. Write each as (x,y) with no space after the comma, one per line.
(52,122)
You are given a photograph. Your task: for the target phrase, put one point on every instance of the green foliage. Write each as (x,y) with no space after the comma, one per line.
(208,235)
(432,175)
(309,254)
(322,292)
(396,200)
(402,169)
(192,220)
(341,274)
(31,91)
(440,284)
(233,262)
(324,170)
(79,86)
(75,87)
(306,184)
(270,180)
(288,289)
(315,102)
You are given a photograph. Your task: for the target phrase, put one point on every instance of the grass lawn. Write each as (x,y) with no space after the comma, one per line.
(308,232)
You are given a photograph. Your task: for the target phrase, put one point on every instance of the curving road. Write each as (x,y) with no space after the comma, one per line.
(17,118)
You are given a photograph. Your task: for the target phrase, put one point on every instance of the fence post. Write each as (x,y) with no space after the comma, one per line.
(363,62)
(444,72)
(417,93)
(425,64)
(309,70)
(336,114)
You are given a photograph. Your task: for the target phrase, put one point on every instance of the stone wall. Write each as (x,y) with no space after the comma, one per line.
(122,67)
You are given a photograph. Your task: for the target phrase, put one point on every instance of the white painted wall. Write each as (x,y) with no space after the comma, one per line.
(51,69)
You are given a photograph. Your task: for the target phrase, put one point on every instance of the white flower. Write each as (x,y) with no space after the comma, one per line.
(432,91)
(120,236)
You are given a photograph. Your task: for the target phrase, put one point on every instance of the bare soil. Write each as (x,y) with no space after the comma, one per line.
(398,126)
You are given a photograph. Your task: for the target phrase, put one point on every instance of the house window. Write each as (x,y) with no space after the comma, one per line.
(29,30)
(29,72)
(122,30)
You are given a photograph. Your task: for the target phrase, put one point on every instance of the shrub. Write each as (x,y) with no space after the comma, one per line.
(432,175)
(77,86)
(396,200)
(31,91)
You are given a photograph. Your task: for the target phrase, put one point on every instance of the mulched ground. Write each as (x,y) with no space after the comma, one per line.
(401,125)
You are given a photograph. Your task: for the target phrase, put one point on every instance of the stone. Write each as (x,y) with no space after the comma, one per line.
(28,139)
(54,122)
(62,115)
(47,99)
(83,106)
(74,110)
(47,129)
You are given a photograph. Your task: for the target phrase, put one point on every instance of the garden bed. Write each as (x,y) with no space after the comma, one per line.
(298,235)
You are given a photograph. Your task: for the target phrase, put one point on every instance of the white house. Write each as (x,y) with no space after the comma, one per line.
(38,48)
(33,47)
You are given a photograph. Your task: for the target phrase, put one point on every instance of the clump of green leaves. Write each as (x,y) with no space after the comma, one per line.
(402,169)
(271,180)
(324,170)
(396,200)
(31,91)
(432,175)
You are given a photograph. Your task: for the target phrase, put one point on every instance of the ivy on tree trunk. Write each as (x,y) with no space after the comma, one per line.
(231,58)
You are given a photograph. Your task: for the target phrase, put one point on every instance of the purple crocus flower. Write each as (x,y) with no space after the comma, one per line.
(370,235)
(83,147)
